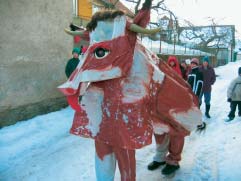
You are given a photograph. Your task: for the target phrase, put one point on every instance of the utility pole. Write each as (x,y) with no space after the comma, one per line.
(160,49)
(174,51)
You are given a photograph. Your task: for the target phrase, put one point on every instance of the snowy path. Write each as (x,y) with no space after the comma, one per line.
(42,148)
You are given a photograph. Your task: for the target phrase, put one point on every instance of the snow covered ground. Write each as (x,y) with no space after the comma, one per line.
(41,149)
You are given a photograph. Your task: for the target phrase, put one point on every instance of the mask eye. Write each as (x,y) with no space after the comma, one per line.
(101,53)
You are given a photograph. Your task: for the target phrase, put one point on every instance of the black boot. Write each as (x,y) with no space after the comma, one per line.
(207,111)
(229,119)
(154,165)
(169,169)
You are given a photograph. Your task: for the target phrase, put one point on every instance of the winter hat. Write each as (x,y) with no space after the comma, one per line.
(76,50)
(188,61)
(205,59)
(239,70)
(195,61)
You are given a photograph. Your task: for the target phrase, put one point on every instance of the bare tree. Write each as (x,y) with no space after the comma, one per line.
(207,38)
(159,7)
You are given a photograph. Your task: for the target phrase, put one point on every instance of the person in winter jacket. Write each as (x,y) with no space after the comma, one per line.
(209,79)
(174,64)
(73,62)
(195,78)
(234,96)
(168,147)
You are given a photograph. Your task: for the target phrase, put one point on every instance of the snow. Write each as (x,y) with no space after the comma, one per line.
(42,148)
(169,48)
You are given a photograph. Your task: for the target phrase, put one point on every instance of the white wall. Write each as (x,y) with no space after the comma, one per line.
(33,52)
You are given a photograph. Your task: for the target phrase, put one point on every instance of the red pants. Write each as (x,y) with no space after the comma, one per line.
(105,162)
(168,148)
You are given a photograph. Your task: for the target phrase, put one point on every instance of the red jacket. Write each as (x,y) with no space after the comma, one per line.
(176,66)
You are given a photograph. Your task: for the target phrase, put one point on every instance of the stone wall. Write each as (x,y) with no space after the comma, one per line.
(33,53)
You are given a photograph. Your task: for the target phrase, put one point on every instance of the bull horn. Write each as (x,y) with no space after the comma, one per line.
(139,29)
(73,33)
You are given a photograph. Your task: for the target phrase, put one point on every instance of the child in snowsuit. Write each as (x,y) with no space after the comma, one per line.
(234,96)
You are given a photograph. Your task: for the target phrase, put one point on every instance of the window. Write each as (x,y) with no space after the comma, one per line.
(75,9)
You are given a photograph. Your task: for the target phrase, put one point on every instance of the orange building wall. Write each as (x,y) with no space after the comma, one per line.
(85,9)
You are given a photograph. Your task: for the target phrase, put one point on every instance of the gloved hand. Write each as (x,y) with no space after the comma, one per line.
(201,127)
(229,99)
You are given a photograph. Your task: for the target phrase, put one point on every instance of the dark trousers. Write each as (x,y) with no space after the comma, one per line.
(207,98)
(233,106)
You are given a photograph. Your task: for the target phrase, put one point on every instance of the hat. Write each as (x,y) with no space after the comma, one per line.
(76,50)
(195,61)
(205,59)
(239,70)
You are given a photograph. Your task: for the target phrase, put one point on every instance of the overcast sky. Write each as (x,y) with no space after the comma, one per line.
(198,11)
